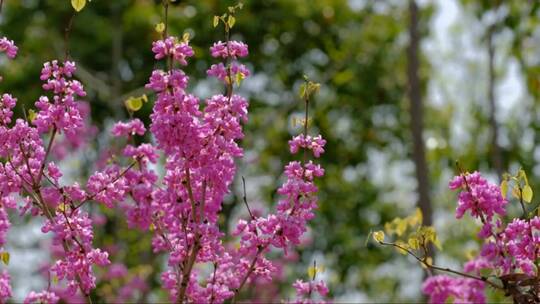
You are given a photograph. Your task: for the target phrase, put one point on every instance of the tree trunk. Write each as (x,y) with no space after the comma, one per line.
(495,148)
(417,116)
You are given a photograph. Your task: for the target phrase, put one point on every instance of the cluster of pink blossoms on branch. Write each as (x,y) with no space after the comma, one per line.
(27,173)
(199,142)
(508,259)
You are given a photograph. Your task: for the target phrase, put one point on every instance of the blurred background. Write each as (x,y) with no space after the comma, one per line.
(408,88)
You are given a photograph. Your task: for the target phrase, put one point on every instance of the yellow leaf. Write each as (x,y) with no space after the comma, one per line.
(185,37)
(416,218)
(61,207)
(504,188)
(4,256)
(401,226)
(216,21)
(378,236)
(239,78)
(231,21)
(311,271)
(31,115)
(134,104)
(515,192)
(160,27)
(527,193)
(314,270)
(414,243)
(78,5)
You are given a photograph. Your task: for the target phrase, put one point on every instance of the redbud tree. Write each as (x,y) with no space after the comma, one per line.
(171,187)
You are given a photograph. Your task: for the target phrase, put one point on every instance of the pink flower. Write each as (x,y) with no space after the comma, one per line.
(315,144)
(440,288)
(9,47)
(478,196)
(129,128)
(220,72)
(5,287)
(179,51)
(7,103)
(43,297)
(234,49)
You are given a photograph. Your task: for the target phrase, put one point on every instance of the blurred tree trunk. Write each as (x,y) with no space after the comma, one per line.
(116,57)
(495,148)
(417,115)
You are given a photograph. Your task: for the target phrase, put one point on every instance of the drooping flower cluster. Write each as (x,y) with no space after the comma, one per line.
(480,197)
(441,288)
(510,251)
(315,144)
(41,297)
(305,290)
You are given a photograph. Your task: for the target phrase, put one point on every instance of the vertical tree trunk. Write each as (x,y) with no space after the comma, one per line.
(417,116)
(116,56)
(495,148)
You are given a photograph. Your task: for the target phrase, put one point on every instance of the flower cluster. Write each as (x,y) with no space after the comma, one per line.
(315,144)
(62,112)
(480,197)
(510,250)
(9,180)
(198,141)
(304,290)
(9,47)
(440,288)
(29,173)
(41,297)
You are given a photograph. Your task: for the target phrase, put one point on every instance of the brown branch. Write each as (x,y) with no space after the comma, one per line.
(444,269)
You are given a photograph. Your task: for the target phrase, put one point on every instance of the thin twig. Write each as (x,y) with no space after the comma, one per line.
(444,269)
(245,198)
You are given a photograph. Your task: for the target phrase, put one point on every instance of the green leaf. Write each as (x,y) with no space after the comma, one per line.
(303,90)
(527,193)
(216,21)
(78,5)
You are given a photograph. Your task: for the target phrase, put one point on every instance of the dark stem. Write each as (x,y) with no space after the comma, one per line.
(245,199)
(67,33)
(166,18)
